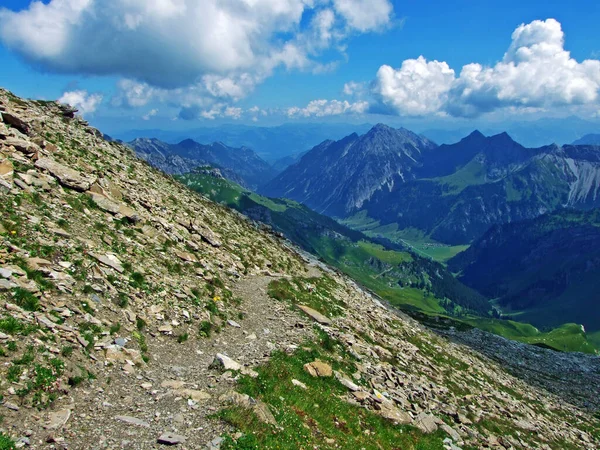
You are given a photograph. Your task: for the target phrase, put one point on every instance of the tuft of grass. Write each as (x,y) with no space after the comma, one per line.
(12,325)
(140,323)
(205,328)
(137,280)
(6,443)
(182,338)
(66,351)
(26,299)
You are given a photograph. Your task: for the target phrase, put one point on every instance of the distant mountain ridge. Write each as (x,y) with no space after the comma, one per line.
(240,165)
(451,193)
(270,143)
(337,177)
(545,269)
(588,139)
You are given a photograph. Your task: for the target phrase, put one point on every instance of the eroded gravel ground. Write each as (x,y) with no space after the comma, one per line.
(266,326)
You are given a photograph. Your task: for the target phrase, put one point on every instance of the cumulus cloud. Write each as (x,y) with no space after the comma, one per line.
(218,111)
(419,87)
(536,72)
(224,48)
(85,102)
(322,108)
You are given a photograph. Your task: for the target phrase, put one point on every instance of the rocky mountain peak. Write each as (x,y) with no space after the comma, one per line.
(475,136)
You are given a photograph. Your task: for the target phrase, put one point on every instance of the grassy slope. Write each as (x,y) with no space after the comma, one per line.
(322,406)
(350,257)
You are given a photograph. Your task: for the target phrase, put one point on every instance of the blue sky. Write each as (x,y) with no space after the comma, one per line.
(149,66)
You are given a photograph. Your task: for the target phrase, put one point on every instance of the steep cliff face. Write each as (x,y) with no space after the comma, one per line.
(240,165)
(338,177)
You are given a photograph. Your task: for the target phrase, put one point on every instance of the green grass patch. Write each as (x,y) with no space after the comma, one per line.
(6,443)
(317,293)
(318,417)
(567,338)
(12,325)
(25,299)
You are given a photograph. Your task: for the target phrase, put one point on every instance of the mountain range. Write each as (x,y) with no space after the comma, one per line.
(241,165)
(270,143)
(400,181)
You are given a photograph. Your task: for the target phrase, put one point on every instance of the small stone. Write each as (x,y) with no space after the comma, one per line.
(166,329)
(11,406)
(315,315)
(133,421)
(225,362)
(195,395)
(171,439)
(300,384)
(65,175)
(318,369)
(109,260)
(427,423)
(121,342)
(346,382)
(172,384)
(234,324)
(58,419)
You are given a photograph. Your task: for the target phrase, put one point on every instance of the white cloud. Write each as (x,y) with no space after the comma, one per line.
(233,112)
(150,114)
(226,46)
(419,87)
(535,73)
(365,15)
(322,108)
(353,88)
(85,102)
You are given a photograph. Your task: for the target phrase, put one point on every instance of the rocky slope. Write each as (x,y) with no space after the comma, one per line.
(545,268)
(337,177)
(240,165)
(136,314)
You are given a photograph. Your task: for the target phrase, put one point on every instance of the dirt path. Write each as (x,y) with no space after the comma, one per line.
(265,326)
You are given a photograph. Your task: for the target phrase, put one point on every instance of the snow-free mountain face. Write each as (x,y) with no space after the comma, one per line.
(241,165)
(545,269)
(451,193)
(338,177)
(467,187)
